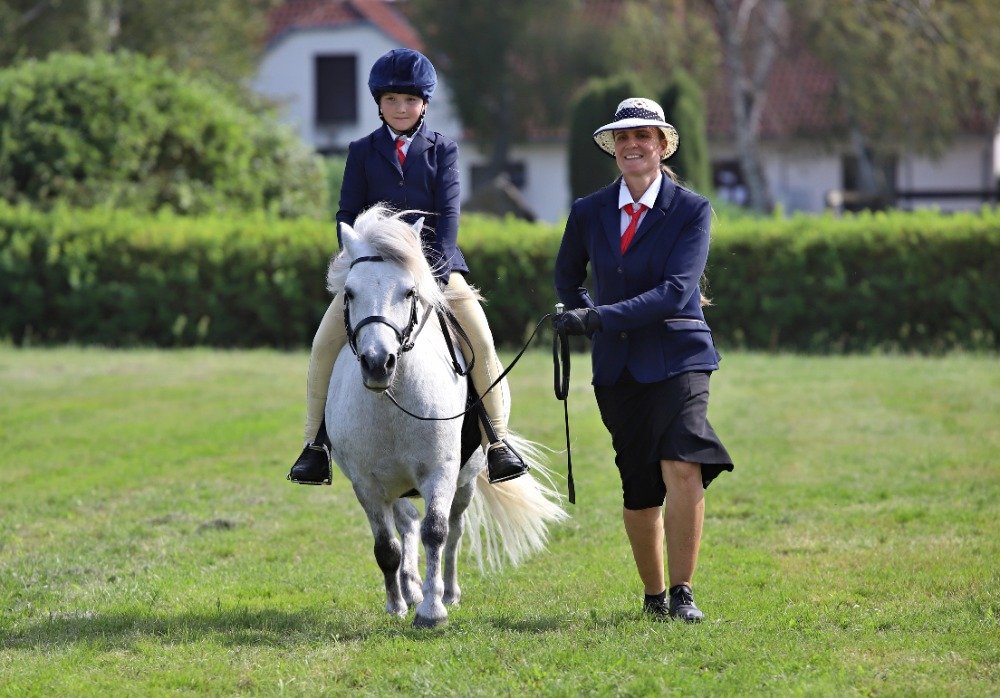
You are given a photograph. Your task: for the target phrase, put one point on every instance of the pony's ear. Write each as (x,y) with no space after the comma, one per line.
(350,241)
(417,226)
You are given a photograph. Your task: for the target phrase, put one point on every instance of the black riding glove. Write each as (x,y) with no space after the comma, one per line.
(579,321)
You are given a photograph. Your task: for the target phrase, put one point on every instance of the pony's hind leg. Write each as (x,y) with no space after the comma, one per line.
(452,592)
(388,551)
(408,525)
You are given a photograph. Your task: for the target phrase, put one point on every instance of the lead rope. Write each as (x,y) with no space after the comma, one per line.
(560,379)
(560,365)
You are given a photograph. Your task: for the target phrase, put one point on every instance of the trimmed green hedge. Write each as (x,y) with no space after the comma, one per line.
(904,281)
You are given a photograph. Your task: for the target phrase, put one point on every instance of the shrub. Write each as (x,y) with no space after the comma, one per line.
(684,108)
(123,130)
(898,281)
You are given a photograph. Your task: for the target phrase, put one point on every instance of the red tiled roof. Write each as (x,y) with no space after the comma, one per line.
(321,14)
(799,101)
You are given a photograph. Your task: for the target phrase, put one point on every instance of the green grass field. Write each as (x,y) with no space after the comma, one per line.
(150,545)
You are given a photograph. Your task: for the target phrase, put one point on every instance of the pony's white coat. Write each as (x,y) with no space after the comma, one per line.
(385,452)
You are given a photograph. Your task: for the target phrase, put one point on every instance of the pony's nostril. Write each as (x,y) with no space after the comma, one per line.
(390,363)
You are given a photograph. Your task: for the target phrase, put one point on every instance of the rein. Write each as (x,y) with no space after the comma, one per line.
(407,336)
(560,366)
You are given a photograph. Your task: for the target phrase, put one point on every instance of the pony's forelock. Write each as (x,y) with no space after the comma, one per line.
(391,237)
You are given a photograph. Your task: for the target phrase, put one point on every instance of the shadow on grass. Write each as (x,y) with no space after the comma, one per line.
(242,626)
(229,627)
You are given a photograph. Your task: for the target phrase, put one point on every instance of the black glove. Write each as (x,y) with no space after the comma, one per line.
(579,321)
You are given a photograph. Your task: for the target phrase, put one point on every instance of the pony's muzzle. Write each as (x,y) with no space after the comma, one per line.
(377,369)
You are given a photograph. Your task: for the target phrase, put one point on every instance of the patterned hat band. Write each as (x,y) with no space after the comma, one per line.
(637,113)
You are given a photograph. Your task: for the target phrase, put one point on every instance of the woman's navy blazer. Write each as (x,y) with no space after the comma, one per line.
(648,298)
(428,182)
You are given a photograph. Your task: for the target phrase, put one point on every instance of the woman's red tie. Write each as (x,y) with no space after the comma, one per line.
(634,211)
(400,155)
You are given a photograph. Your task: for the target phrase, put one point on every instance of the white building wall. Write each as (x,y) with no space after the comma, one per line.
(546,187)
(967,164)
(800,178)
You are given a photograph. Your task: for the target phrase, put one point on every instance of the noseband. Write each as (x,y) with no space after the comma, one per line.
(405,335)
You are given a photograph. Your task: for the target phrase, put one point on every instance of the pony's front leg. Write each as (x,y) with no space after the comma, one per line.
(388,551)
(408,525)
(434,533)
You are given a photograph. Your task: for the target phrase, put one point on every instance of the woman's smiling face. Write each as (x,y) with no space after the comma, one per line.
(638,151)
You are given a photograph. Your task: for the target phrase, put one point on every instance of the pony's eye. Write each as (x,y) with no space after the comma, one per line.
(348,294)
(411,293)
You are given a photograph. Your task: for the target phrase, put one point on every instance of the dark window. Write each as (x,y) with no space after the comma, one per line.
(872,190)
(336,90)
(727,175)
(883,173)
(515,171)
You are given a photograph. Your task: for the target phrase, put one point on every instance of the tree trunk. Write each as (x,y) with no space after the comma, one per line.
(747,88)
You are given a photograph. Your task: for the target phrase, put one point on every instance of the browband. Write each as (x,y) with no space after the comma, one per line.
(367,259)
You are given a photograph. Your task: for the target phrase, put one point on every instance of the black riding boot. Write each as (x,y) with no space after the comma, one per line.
(313,466)
(503,463)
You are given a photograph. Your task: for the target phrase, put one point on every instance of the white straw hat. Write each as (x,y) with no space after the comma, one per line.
(635,112)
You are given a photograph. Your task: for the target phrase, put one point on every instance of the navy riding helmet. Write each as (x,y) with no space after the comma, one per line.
(405,71)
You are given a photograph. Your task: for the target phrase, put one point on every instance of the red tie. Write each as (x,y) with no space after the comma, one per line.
(634,211)
(400,155)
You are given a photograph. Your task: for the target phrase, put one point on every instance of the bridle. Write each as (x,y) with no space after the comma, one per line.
(406,336)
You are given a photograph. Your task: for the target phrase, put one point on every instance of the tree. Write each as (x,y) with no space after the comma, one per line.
(472,43)
(909,74)
(653,38)
(684,108)
(125,131)
(220,36)
(751,32)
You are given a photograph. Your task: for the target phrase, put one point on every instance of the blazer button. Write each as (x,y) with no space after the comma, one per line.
(624,335)
(400,182)
(620,270)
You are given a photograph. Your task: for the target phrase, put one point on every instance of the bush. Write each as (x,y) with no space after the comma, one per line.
(684,108)
(590,168)
(116,278)
(123,130)
(898,281)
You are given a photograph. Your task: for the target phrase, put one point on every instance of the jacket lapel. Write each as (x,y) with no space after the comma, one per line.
(386,147)
(611,218)
(658,213)
(418,145)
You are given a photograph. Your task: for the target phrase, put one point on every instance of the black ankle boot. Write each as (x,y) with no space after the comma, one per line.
(313,466)
(682,604)
(503,463)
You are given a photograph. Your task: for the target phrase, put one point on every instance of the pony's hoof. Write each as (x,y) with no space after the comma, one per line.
(420,621)
(451,599)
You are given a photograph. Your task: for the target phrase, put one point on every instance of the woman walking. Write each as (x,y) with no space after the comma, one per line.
(645,239)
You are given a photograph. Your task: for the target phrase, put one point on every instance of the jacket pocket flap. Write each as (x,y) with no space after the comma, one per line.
(685,324)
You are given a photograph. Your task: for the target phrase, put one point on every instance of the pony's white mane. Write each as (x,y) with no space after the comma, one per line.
(389,236)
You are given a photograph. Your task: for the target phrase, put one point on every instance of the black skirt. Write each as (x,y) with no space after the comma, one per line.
(650,422)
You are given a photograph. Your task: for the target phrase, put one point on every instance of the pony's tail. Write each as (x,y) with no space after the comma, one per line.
(510,519)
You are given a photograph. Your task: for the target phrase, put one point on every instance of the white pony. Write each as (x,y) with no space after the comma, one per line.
(391,298)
